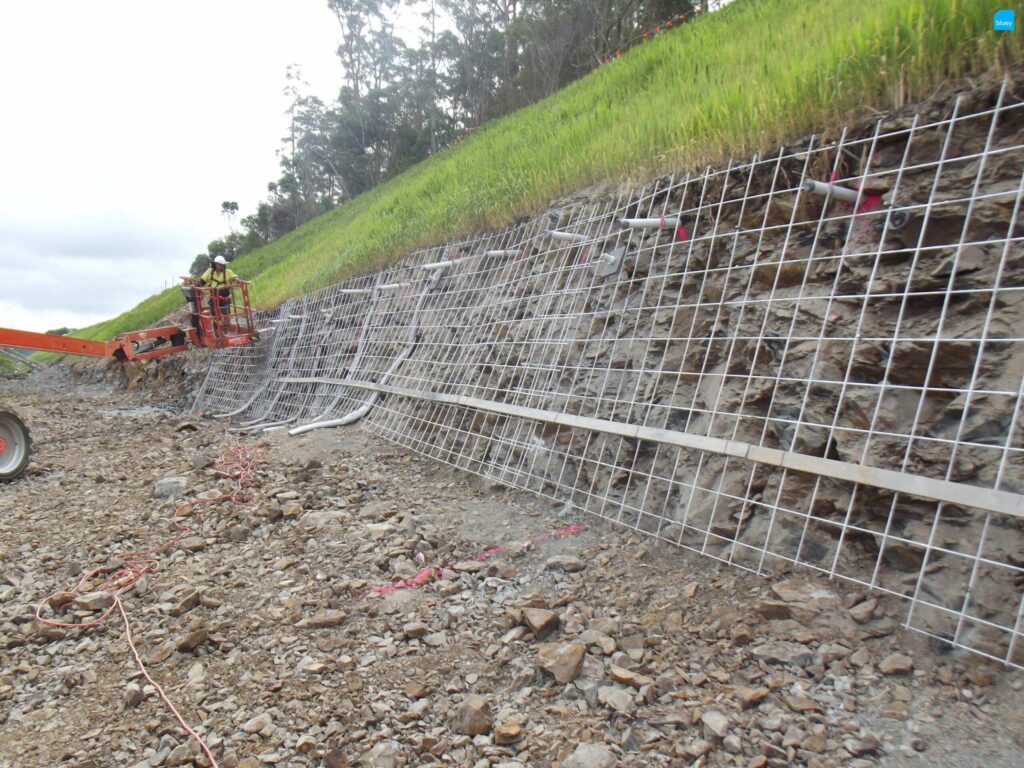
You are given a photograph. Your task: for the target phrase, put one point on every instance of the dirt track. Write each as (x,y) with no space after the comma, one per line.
(267,629)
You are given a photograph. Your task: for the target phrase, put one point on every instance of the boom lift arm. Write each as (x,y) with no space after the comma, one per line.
(220,317)
(217,322)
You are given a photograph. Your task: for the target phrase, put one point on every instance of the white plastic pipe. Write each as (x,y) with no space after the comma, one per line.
(401,357)
(662,222)
(834,190)
(513,253)
(572,237)
(244,405)
(437,264)
(259,426)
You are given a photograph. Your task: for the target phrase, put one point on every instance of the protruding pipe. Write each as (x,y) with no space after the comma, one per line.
(571,237)
(412,338)
(259,426)
(833,190)
(242,407)
(512,253)
(353,291)
(344,421)
(271,426)
(661,222)
(437,264)
(392,286)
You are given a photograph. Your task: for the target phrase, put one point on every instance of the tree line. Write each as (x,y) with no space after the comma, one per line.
(410,92)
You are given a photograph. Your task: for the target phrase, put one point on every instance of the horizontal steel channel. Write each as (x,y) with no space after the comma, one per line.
(988,499)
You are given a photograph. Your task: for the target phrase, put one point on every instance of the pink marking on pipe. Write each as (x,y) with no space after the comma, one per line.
(681,234)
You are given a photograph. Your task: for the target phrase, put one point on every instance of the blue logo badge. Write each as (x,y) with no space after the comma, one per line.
(1003,21)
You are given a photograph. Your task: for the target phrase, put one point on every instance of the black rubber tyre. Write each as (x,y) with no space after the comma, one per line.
(15,446)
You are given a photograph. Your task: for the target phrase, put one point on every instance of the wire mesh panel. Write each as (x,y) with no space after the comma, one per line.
(812,357)
(237,376)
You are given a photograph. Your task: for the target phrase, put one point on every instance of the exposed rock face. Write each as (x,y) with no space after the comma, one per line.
(768,316)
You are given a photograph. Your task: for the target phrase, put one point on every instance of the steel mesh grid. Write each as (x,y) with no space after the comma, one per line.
(751,310)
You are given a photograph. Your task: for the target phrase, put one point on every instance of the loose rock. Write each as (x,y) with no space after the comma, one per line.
(473,716)
(562,660)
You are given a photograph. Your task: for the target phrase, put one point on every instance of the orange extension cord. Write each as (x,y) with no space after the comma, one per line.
(240,462)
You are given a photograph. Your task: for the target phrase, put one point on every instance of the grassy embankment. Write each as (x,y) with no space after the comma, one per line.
(747,78)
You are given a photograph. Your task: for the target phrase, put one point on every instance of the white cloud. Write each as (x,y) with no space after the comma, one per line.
(126,123)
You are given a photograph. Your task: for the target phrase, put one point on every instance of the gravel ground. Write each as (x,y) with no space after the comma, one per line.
(581,648)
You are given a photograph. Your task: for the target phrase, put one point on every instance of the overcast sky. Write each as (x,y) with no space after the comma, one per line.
(124,125)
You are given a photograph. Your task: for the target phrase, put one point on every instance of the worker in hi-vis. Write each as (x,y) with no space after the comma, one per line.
(219,278)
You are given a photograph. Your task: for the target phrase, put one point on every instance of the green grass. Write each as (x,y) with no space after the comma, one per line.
(9,367)
(747,78)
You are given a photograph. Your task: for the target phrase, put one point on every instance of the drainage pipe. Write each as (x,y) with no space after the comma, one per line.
(290,365)
(266,383)
(411,340)
(260,426)
(437,264)
(360,349)
(572,237)
(833,190)
(661,222)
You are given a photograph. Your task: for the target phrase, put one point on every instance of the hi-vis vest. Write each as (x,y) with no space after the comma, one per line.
(216,279)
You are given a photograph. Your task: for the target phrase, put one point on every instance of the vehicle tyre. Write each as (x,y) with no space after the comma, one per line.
(15,446)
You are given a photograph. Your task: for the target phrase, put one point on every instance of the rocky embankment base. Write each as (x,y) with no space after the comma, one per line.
(575,648)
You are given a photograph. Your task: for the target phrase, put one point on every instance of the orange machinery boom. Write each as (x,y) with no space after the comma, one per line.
(218,321)
(126,346)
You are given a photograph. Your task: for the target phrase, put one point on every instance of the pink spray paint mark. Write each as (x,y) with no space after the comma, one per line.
(430,572)
(869,203)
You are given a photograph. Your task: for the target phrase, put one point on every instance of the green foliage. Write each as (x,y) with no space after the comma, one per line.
(199,265)
(747,78)
(146,314)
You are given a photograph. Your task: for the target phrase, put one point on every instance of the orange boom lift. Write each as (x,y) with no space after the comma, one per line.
(217,321)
